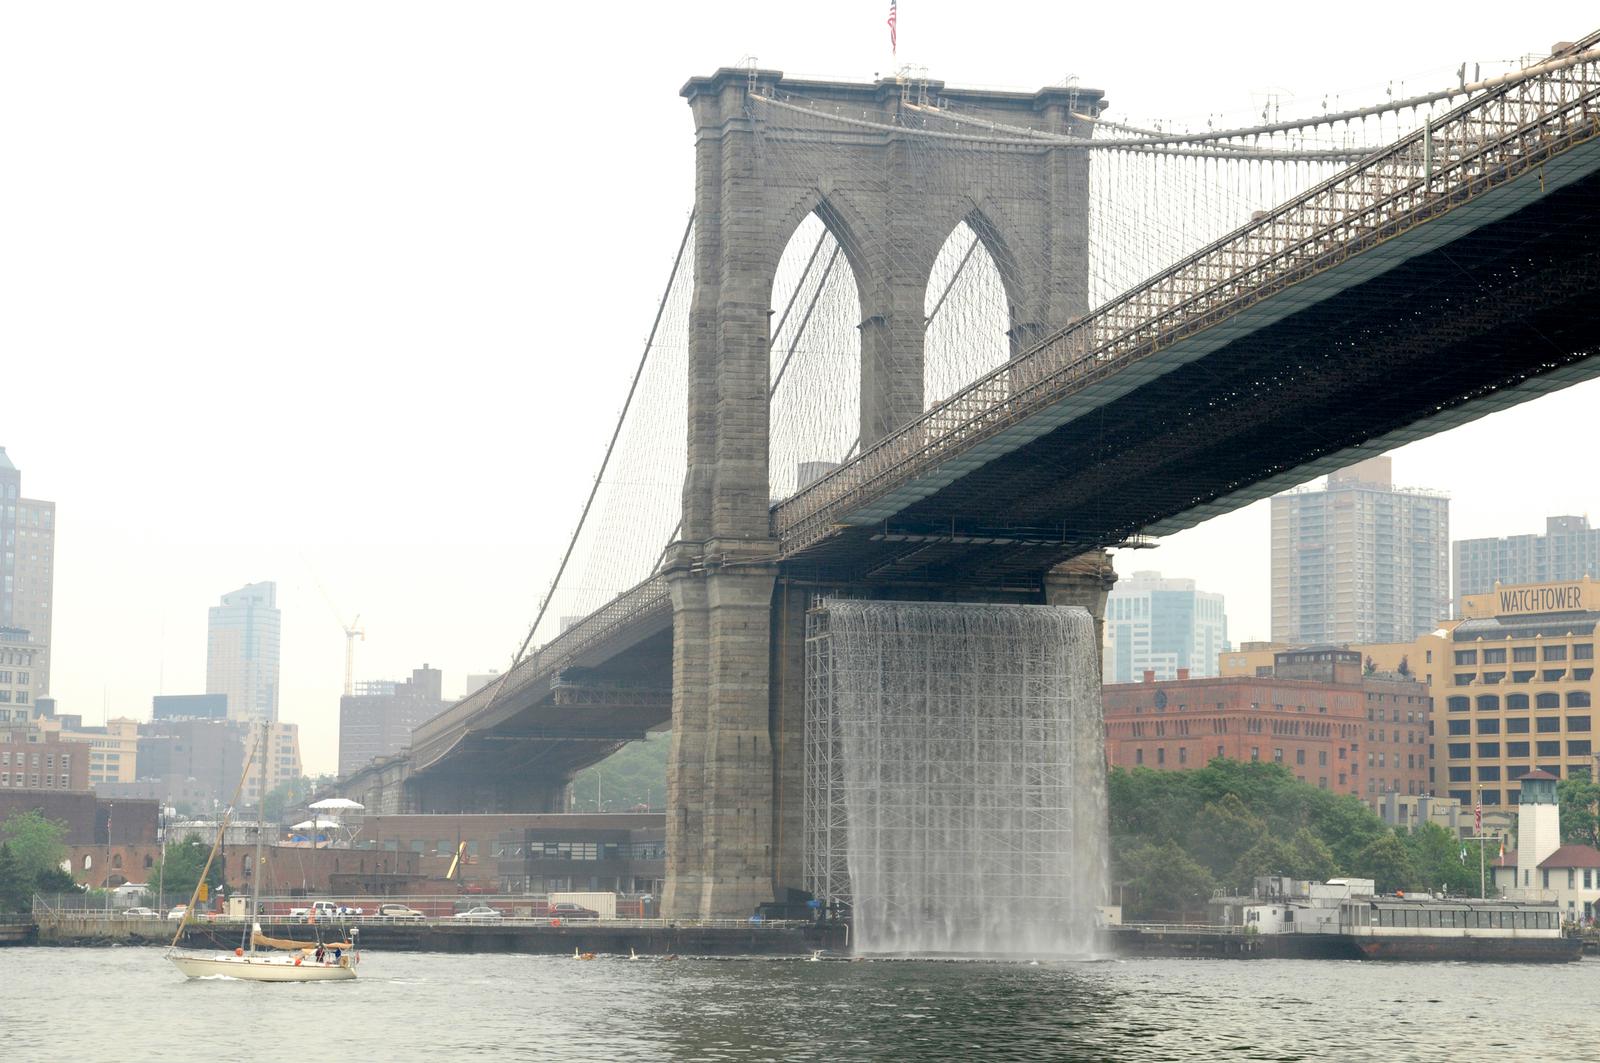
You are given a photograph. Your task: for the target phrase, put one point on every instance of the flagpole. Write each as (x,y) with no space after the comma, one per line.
(1482,842)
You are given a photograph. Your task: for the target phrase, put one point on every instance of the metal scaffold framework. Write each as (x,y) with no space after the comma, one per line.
(955,775)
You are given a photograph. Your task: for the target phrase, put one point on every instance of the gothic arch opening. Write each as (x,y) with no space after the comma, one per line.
(815,359)
(968,315)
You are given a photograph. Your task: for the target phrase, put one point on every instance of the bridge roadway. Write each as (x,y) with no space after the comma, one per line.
(1451,275)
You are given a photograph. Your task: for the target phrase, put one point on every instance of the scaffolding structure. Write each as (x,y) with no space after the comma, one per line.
(955,781)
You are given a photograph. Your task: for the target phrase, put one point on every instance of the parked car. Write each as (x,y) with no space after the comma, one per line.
(177,912)
(325,910)
(140,913)
(480,912)
(568,910)
(398,911)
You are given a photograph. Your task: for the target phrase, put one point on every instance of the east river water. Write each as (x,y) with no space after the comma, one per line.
(129,1004)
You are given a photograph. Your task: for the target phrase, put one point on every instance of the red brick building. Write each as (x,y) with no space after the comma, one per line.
(1313,715)
(34,760)
(1399,749)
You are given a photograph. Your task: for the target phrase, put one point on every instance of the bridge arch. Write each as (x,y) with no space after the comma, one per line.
(969,306)
(815,352)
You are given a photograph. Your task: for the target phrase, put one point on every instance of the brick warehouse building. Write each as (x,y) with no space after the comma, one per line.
(1315,714)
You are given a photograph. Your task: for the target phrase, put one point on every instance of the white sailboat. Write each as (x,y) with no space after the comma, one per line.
(293,961)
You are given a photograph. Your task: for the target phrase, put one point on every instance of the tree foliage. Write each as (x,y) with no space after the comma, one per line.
(1579,797)
(1163,881)
(1437,863)
(634,775)
(1387,861)
(37,844)
(15,891)
(32,850)
(288,794)
(179,870)
(1236,821)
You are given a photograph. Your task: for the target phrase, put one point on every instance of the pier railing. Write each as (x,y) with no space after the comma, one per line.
(53,917)
(1181,928)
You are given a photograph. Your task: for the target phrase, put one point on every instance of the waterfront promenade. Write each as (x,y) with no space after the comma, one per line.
(721,937)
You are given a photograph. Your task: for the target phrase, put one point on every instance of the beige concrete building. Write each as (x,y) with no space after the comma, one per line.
(283,759)
(17,661)
(113,749)
(1359,560)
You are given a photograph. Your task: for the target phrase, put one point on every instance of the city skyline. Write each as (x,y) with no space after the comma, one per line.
(412,289)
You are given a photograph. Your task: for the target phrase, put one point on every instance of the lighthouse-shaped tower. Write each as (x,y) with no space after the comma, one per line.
(1538,826)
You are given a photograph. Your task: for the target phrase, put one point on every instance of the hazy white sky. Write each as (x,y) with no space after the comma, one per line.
(349,292)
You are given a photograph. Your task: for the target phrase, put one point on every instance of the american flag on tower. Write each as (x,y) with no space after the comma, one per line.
(894,12)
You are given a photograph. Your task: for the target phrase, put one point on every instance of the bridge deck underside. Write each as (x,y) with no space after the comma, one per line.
(1438,338)
(553,738)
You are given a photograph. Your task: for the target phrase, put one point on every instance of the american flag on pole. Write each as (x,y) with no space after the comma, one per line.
(894,17)
(1477,816)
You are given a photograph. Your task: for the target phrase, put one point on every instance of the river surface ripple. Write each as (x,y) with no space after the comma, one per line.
(129,1004)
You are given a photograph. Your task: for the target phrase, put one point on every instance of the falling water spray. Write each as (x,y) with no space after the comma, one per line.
(956,776)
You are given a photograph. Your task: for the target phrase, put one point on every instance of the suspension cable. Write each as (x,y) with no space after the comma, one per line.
(594,490)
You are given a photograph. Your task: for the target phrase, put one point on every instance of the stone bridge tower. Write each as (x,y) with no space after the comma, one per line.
(891,175)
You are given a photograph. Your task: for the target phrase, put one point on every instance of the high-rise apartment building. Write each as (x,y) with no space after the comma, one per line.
(1162,625)
(1359,560)
(378,720)
(27,570)
(283,757)
(242,651)
(1569,549)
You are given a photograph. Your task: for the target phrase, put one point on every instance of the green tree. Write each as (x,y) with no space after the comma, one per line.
(1224,831)
(1162,881)
(1436,858)
(1387,862)
(286,795)
(1343,822)
(1310,858)
(634,775)
(37,844)
(1150,807)
(1267,857)
(1579,797)
(15,891)
(179,869)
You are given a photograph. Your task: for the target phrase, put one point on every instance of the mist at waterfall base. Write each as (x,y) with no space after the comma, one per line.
(963,774)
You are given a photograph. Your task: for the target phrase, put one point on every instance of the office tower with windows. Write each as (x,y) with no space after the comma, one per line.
(242,651)
(1162,625)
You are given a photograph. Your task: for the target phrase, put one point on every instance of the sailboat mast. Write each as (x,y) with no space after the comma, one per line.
(261,829)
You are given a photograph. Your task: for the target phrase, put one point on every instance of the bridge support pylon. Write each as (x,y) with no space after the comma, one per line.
(720,773)
(1085,580)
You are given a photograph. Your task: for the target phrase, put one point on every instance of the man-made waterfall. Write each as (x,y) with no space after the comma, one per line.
(956,775)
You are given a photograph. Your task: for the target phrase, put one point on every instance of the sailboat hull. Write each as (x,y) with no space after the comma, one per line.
(260,968)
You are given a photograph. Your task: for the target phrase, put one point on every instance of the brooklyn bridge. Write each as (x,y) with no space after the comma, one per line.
(928,344)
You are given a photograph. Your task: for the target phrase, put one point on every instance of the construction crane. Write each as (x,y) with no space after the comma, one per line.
(352,631)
